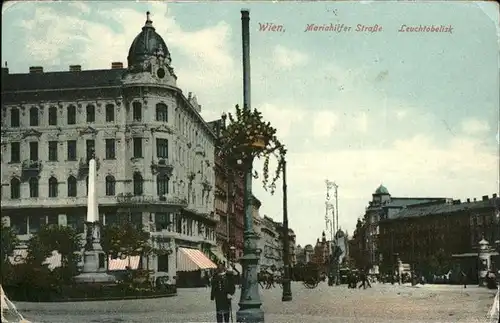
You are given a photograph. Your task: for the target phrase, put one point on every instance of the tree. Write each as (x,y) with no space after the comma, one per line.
(124,240)
(249,136)
(9,242)
(63,239)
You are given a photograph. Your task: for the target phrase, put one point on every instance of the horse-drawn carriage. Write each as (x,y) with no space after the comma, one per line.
(311,275)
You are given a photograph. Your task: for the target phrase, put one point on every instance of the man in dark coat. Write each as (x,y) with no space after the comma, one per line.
(223,289)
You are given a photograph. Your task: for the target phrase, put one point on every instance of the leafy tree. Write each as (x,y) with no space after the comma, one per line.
(124,240)
(9,242)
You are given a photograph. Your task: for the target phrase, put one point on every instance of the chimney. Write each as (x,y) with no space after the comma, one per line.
(485,197)
(468,200)
(116,65)
(494,194)
(36,69)
(75,68)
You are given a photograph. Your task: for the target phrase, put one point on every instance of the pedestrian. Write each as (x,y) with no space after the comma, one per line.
(222,291)
(464,278)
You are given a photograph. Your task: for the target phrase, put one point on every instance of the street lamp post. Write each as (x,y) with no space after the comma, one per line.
(287,290)
(250,303)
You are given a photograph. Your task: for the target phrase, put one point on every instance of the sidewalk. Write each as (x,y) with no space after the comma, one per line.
(494,313)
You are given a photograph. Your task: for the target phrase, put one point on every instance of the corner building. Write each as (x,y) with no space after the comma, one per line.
(155,153)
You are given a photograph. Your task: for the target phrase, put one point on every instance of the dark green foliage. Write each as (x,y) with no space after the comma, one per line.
(124,239)
(9,243)
(238,143)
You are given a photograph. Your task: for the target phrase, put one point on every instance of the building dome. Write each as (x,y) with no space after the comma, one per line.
(147,44)
(381,190)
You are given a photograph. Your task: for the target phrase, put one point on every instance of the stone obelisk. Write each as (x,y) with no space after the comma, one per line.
(94,259)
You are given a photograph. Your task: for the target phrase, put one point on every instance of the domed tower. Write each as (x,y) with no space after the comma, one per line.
(149,58)
(381,195)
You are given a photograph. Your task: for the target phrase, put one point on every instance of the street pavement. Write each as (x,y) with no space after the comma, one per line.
(382,303)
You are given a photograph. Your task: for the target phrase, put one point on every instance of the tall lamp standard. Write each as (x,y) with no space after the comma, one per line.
(248,136)
(287,288)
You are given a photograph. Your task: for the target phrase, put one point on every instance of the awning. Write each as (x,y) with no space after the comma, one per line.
(19,257)
(122,264)
(192,260)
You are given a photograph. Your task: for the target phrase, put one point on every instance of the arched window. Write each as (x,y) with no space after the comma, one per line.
(53,189)
(72,186)
(33,182)
(71,117)
(138,184)
(90,113)
(162,184)
(161,112)
(34,117)
(52,116)
(110,185)
(15,188)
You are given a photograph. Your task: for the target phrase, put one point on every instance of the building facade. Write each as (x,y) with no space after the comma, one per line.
(429,236)
(155,153)
(384,206)
(272,248)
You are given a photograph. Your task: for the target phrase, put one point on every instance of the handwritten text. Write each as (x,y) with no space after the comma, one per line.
(269,26)
(426,29)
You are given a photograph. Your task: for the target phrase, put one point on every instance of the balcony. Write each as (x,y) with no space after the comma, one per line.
(129,199)
(31,168)
(53,202)
(162,166)
(83,167)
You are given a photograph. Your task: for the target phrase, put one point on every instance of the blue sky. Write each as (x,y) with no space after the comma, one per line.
(417,112)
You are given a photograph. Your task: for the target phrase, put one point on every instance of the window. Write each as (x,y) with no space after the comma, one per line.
(77,222)
(137,111)
(33,183)
(162,221)
(178,224)
(34,150)
(34,117)
(110,185)
(52,116)
(136,219)
(90,113)
(137,147)
(71,114)
(90,148)
(35,222)
(162,184)
(19,223)
(110,149)
(15,152)
(110,113)
(87,186)
(52,150)
(71,149)
(161,148)
(52,219)
(15,188)
(161,112)
(14,117)
(53,189)
(72,186)
(137,184)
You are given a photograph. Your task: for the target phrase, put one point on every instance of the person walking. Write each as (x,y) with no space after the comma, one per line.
(223,289)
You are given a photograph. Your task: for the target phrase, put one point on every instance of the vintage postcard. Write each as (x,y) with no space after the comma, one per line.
(221,161)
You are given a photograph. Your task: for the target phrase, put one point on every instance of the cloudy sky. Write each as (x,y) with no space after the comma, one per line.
(417,112)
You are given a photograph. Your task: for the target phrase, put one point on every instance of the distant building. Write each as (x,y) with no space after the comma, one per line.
(341,240)
(322,252)
(272,251)
(384,206)
(430,235)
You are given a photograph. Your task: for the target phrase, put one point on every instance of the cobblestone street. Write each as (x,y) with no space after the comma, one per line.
(382,303)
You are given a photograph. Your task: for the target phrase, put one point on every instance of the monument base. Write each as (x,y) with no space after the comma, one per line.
(89,278)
